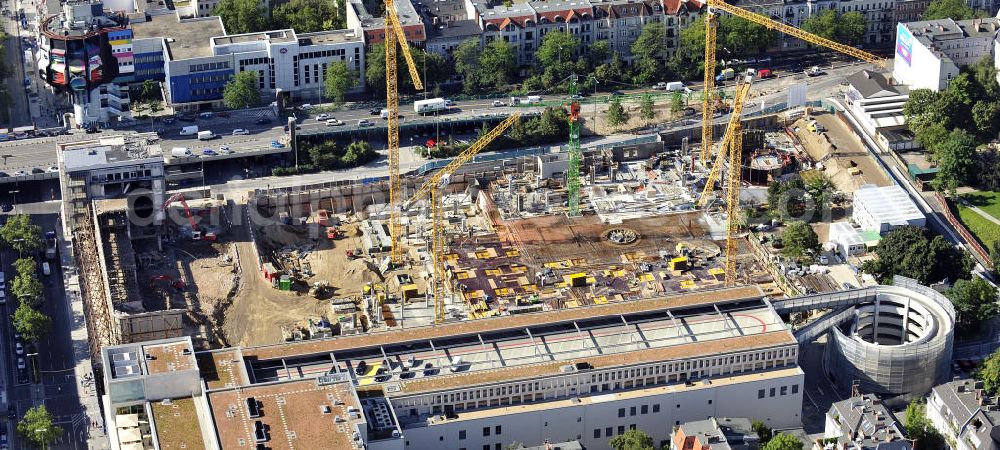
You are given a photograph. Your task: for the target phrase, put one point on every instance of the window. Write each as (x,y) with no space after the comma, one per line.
(621,429)
(656,408)
(710,402)
(631,411)
(486,447)
(621,412)
(497,446)
(644,410)
(607,432)
(784,390)
(597,433)
(631,427)
(760,393)
(486,431)
(772,392)
(496,430)
(795,389)
(461,435)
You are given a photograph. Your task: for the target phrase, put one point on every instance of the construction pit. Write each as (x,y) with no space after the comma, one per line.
(511,248)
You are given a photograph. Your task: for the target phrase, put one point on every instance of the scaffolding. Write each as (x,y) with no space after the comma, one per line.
(101,328)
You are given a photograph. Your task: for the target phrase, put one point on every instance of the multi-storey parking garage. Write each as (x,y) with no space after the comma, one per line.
(893,340)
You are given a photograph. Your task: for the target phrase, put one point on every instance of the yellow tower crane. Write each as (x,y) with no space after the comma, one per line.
(711,29)
(431,189)
(393,35)
(742,92)
(733,203)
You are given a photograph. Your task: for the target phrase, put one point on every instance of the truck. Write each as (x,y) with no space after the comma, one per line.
(675,86)
(430,105)
(189,130)
(726,74)
(180,152)
(814,71)
(206,135)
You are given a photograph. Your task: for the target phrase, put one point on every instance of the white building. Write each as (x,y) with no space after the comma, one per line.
(875,102)
(847,240)
(929,54)
(965,415)
(885,208)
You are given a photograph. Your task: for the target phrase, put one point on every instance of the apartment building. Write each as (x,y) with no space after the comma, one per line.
(965,415)
(722,433)
(879,16)
(862,422)
(929,54)
(583,374)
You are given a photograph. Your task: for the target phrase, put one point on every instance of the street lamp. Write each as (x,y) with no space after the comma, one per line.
(14,195)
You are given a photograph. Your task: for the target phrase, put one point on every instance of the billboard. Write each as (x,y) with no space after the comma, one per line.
(904,43)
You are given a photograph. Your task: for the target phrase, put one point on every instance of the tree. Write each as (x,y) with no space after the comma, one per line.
(242,91)
(740,37)
(357,153)
(985,116)
(21,235)
(786,200)
(36,427)
(975,301)
(919,427)
(909,251)
(496,65)
(848,28)
(27,289)
(632,440)
(305,16)
(613,71)
(989,373)
(646,111)
(995,255)
(242,16)
(650,49)
(783,441)
(945,9)
(820,188)
(557,47)
(616,115)
(26,266)
(466,63)
(600,53)
(30,323)
(764,432)
(437,70)
(676,102)
(956,157)
(799,240)
(339,80)
(148,91)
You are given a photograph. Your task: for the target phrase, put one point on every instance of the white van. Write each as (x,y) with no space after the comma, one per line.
(46,269)
(180,152)
(206,135)
(189,130)
(533,99)
(675,86)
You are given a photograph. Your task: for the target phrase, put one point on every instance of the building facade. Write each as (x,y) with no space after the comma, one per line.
(863,422)
(965,415)
(929,54)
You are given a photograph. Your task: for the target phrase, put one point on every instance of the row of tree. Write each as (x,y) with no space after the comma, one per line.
(635,439)
(304,16)
(550,127)
(327,155)
(951,123)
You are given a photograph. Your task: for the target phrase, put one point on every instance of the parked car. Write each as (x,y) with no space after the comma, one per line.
(225,150)
(322,117)
(241,132)
(20,363)
(186,118)
(4,174)
(18,348)
(6,207)
(334,122)
(20,173)
(206,115)
(169,121)
(208,152)
(498,103)
(365,123)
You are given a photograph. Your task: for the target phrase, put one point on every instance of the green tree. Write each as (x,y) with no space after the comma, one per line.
(799,240)
(148,91)
(27,289)
(909,251)
(437,70)
(339,80)
(306,16)
(921,110)
(646,111)
(764,432)
(820,188)
(848,28)
(786,200)
(676,102)
(985,115)
(956,157)
(21,235)
(36,427)
(26,266)
(650,50)
(632,440)
(989,373)
(466,62)
(995,256)
(616,115)
(740,37)
(242,91)
(919,427)
(357,153)
(613,71)
(984,73)
(783,441)
(557,47)
(496,65)
(975,301)
(945,9)
(31,324)
(600,53)
(242,16)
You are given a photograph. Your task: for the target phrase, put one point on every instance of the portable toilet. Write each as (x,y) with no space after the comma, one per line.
(285,283)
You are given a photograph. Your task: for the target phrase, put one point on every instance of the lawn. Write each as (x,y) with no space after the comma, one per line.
(985,231)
